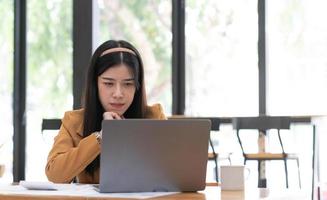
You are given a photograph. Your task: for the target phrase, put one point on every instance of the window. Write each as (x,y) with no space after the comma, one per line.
(221,58)
(6,87)
(297,64)
(296,57)
(49,75)
(147,25)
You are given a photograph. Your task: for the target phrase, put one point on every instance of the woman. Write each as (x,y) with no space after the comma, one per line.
(114,90)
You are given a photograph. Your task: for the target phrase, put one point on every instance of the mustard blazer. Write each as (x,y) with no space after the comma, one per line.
(71,153)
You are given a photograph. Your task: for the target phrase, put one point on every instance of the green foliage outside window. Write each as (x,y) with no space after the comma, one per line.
(147,24)
(49,56)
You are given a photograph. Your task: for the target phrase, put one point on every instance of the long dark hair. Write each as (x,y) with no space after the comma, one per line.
(93,109)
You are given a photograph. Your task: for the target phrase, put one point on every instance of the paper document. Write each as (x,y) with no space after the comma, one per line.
(85,190)
(34,185)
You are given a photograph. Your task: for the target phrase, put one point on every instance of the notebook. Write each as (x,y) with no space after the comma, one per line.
(146,155)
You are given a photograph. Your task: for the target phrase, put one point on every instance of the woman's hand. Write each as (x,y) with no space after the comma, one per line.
(111,115)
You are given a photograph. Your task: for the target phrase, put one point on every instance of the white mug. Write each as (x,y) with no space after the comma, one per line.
(232,177)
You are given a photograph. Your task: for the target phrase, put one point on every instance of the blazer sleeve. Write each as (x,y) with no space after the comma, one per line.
(161,112)
(65,160)
(155,112)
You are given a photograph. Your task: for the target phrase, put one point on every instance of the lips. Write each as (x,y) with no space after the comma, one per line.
(117,105)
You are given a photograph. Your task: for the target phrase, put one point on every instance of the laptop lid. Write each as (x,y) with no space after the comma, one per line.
(146,155)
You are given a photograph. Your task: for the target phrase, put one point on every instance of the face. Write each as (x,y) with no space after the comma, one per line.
(116,89)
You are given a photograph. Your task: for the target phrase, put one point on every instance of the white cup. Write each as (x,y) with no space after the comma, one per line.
(232,177)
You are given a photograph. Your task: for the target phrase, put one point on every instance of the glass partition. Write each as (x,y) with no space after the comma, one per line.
(221,58)
(49,75)
(296,57)
(147,25)
(6,89)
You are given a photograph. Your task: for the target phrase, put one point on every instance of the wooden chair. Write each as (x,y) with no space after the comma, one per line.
(262,124)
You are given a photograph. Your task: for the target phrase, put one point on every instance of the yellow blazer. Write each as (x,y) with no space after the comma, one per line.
(71,153)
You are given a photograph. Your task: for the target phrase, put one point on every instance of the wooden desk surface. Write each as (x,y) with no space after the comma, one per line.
(210,193)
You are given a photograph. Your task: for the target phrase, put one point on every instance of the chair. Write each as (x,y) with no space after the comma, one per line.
(212,156)
(50,124)
(262,124)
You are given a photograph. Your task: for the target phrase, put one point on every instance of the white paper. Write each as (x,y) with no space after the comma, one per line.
(84,190)
(34,185)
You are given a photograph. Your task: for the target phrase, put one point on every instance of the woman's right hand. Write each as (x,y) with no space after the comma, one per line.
(111,115)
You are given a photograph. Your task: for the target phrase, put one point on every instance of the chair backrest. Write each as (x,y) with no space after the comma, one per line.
(261,123)
(49,129)
(50,124)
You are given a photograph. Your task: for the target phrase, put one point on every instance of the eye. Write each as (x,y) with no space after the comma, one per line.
(108,83)
(129,83)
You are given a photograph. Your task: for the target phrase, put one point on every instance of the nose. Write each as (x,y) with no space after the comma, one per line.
(118,92)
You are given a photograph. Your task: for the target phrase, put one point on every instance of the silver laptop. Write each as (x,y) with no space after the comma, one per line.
(145,155)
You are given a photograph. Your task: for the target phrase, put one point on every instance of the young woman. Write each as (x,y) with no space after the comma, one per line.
(114,90)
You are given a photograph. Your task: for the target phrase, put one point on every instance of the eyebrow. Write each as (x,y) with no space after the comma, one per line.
(112,79)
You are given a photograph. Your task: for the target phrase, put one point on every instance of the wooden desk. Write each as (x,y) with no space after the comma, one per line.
(210,193)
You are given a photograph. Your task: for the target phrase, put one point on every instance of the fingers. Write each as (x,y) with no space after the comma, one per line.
(111,115)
